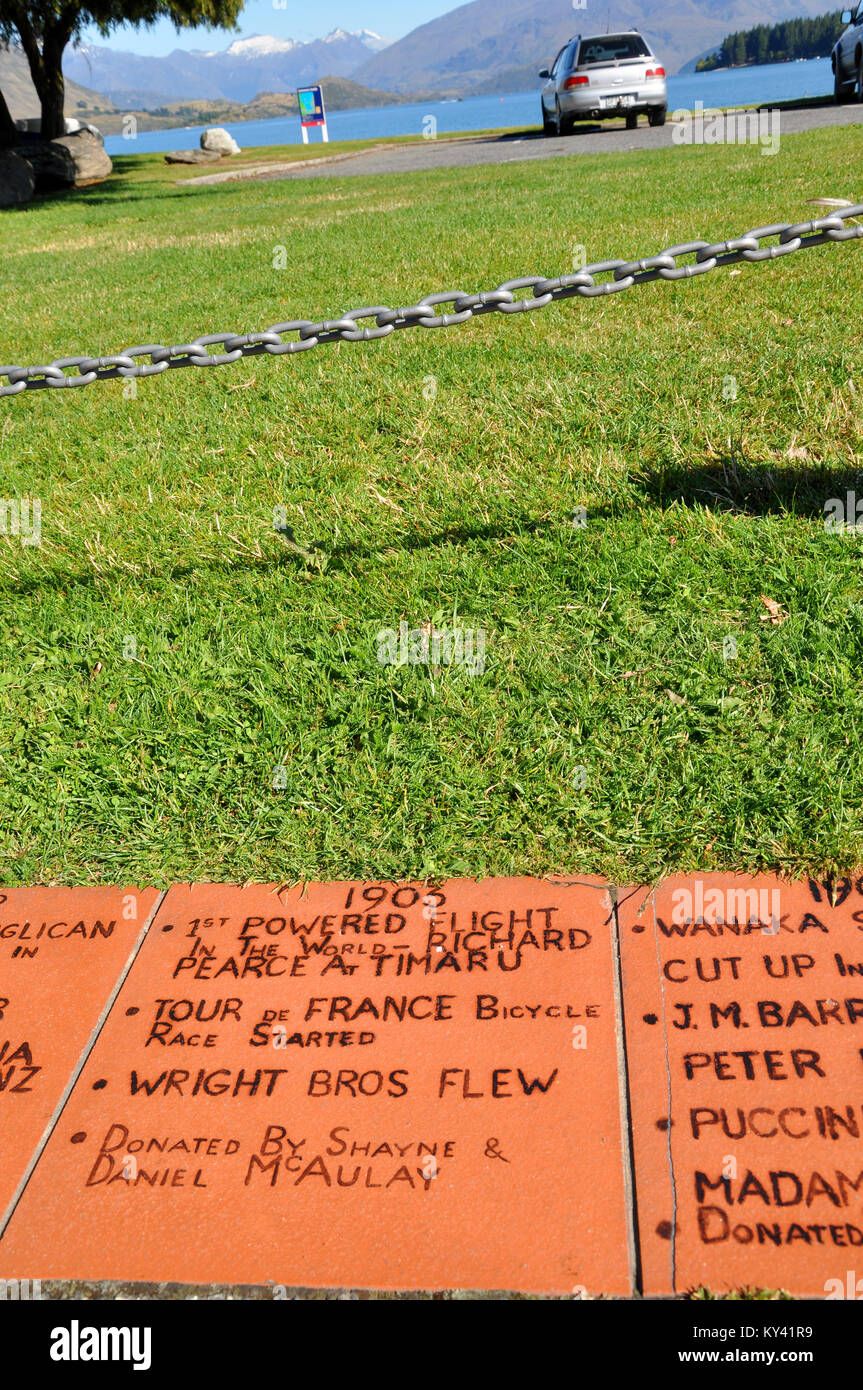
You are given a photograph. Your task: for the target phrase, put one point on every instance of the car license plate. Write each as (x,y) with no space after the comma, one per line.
(625,99)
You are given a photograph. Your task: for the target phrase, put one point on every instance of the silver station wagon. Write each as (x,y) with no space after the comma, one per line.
(600,76)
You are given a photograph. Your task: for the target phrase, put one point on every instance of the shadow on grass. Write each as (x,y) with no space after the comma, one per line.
(118,188)
(752,489)
(313,555)
(729,486)
(453,535)
(110,194)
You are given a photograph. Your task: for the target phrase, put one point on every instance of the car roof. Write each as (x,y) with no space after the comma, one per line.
(621,34)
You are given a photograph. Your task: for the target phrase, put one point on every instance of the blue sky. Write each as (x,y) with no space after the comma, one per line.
(392,18)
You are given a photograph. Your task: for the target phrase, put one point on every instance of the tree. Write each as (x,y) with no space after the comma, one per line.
(8,131)
(777,43)
(45,27)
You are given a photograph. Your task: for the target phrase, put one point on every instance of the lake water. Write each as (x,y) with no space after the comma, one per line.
(736,87)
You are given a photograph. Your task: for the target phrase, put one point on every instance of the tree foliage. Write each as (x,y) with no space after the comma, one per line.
(44,28)
(774,43)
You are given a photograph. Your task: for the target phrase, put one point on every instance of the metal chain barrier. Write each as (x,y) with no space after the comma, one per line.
(349,328)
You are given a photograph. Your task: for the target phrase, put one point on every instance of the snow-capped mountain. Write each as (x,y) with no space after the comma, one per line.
(367,36)
(258,63)
(257,46)
(376,42)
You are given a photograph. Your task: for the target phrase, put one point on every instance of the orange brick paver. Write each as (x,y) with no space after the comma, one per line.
(744,1029)
(352,1085)
(522,1084)
(62,951)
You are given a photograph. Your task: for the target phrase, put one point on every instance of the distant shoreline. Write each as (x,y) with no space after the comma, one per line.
(743,89)
(768,63)
(340,94)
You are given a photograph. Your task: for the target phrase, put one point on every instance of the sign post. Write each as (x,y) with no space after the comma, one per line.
(312,113)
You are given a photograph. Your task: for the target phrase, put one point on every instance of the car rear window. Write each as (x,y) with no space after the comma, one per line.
(612,48)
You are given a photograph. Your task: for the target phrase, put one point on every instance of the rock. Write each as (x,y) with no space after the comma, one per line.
(91,164)
(52,164)
(16,180)
(32,125)
(217,138)
(193,157)
(73,125)
(70,161)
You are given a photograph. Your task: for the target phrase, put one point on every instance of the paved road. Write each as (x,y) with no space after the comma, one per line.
(588,139)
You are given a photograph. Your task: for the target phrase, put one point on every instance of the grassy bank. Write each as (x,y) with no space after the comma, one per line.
(148,170)
(164,649)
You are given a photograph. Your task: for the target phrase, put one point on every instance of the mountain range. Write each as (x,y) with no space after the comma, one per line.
(498,45)
(483,46)
(246,67)
(17,87)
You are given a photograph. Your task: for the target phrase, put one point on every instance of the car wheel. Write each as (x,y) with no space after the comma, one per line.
(567,124)
(657,115)
(631,120)
(551,124)
(860,77)
(841,91)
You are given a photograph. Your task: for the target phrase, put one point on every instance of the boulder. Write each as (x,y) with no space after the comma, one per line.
(52,164)
(217,138)
(192,157)
(73,125)
(16,180)
(87,150)
(32,125)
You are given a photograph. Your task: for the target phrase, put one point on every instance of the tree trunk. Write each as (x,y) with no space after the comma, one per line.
(52,98)
(46,69)
(8,129)
(52,90)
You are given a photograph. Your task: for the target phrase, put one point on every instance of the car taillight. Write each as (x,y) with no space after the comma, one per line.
(577,82)
(655,72)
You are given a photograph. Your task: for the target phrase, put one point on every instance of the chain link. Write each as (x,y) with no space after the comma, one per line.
(786,238)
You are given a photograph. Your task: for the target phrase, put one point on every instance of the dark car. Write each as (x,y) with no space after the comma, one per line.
(847,57)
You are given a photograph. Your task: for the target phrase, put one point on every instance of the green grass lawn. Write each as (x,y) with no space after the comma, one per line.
(151,169)
(164,649)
